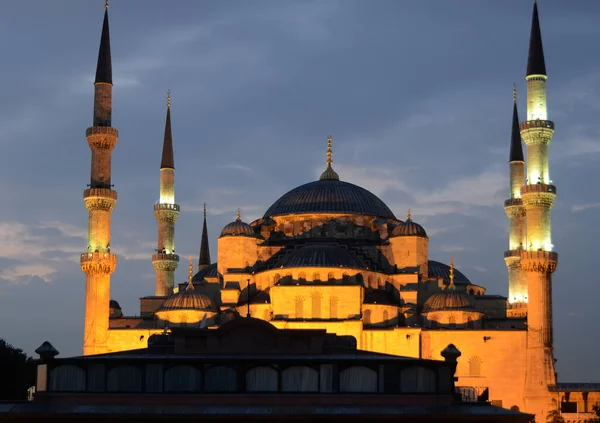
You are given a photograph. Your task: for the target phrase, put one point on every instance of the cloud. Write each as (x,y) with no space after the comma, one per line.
(238,166)
(581,207)
(25,273)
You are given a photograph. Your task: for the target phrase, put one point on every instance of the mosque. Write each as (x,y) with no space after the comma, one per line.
(331,255)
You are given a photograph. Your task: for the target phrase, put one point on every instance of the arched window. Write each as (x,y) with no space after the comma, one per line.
(220,379)
(299,307)
(316,305)
(345,278)
(371,283)
(471,291)
(386,316)
(475,367)
(301,277)
(367,317)
(333,306)
(316,277)
(358,379)
(379,283)
(330,277)
(276,278)
(359,279)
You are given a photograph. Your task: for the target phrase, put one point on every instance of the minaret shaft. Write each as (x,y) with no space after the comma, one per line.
(98,263)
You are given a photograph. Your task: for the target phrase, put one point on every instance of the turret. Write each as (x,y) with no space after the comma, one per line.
(538,259)
(237,246)
(410,246)
(204,257)
(165,261)
(98,263)
(517,281)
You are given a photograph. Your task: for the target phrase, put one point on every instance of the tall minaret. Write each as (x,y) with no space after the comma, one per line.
(98,263)
(204,257)
(165,260)
(538,259)
(517,281)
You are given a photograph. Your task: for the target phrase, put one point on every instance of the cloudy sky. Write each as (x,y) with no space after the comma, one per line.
(417,97)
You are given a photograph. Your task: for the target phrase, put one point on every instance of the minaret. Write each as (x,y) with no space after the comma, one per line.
(538,259)
(98,263)
(517,281)
(204,257)
(165,261)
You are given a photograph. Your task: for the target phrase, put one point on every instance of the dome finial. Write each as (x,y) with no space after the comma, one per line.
(204,205)
(451,284)
(106,4)
(190,273)
(238,215)
(408,217)
(329,172)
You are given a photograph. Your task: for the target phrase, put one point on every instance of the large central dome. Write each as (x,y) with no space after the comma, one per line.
(330,196)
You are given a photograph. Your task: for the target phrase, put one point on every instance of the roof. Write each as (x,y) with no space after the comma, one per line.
(167,160)
(209,271)
(329,196)
(104,66)
(204,257)
(516,146)
(535,61)
(321,256)
(437,269)
(409,228)
(187,299)
(237,228)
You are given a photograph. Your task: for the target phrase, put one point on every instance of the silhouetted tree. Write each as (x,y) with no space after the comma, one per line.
(17,372)
(596,411)
(554,417)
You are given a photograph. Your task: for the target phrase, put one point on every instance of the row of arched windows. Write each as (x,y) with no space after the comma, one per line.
(316,309)
(370,282)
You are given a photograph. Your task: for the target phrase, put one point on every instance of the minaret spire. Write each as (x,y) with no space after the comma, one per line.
(104,66)
(167,151)
(98,263)
(204,258)
(165,261)
(536,64)
(516,147)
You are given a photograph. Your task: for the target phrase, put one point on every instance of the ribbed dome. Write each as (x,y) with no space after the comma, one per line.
(448,300)
(237,228)
(437,269)
(321,256)
(409,228)
(329,196)
(188,299)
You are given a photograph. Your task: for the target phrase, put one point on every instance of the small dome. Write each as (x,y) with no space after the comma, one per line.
(321,256)
(188,299)
(409,228)
(442,270)
(114,304)
(237,228)
(449,300)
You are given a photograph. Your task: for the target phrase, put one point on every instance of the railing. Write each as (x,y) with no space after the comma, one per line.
(527,189)
(166,206)
(100,192)
(101,130)
(538,123)
(513,202)
(512,253)
(537,255)
(470,393)
(87,257)
(166,257)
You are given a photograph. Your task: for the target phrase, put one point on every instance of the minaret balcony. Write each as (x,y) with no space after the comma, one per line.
(538,123)
(166,206)
(165,257)
(98,263)
(100,192)
(102,199)
(539,261)
(102,130)
(512,253)
(538,188)
(538,195)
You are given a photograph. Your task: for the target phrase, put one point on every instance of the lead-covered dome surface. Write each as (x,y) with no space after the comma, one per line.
(437,269)
(409,228)
(329,196)
(448,300)
(237,228)
(187,299)
(321,256)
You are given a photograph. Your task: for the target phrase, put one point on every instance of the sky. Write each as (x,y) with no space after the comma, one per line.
(416,95)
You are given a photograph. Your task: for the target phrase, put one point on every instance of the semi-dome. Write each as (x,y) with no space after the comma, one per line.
(442,270)
(188,299)
(449,300)
(321,256)
(409,228)
(237,228)
(329,196)
(209,271)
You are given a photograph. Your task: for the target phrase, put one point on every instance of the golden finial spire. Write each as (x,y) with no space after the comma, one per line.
(238,215)
(190,273)
(106,4)
(408,215)
(204,209)
(451,284)
(514,92)
(168,98)
(329,151)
